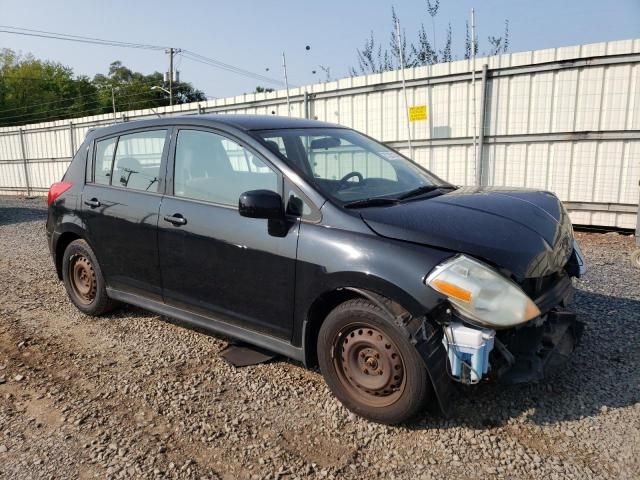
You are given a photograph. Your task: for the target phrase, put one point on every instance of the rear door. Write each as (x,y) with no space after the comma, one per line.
(213,261)
(120,202)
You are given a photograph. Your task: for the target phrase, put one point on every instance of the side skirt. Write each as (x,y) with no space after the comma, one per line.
(211,325)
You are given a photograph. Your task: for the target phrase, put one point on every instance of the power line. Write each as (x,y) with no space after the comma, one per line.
(76,38)
(70,106)
(24,107)
(99,41)
(225,66)
(57,117)
(87,103)
(124,86)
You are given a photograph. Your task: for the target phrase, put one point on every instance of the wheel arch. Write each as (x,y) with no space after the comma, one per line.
(330,299)
(69,233)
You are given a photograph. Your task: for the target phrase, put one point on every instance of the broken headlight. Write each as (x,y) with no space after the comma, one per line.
(481,294)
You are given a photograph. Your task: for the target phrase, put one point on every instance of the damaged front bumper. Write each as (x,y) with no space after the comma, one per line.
(532,352)
(539,348)
(527,353)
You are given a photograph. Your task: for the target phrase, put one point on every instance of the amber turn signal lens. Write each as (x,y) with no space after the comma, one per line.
(451,290)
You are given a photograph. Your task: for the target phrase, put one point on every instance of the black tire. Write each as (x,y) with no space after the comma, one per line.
(377,347)
(83,279)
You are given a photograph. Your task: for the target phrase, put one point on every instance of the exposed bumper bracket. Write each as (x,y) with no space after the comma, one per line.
(537,352)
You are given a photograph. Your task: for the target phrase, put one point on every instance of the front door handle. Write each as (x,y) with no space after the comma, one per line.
(93,203)
(175,219)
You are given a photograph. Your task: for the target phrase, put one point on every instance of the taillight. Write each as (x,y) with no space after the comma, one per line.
(56,190)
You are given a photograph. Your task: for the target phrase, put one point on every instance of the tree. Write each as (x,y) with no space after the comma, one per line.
(445,53)
(468,42)
(33,90)
(432,9)
(133,89)
(424,53)
(399,45)
(327,72)
(370,58)
(260,89)
(500,44)
(373,58)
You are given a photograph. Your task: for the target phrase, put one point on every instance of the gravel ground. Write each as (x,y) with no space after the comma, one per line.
(132,396)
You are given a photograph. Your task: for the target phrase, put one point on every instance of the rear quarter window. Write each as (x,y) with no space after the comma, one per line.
(103,160)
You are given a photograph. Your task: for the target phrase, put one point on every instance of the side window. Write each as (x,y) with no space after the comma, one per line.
(214,168)
(137,160)
(298,205)
(103,159)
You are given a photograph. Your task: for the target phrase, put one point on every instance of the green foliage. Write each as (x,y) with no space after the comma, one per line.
(260,89)
(33,90)
(374,58)
(500,44)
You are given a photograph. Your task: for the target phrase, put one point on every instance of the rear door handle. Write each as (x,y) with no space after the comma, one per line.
(175,219)
(93,203)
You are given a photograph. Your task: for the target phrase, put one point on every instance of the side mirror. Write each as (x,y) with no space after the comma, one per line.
(261,204)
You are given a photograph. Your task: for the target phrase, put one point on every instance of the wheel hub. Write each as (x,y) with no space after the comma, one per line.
(83,279)
(370,365)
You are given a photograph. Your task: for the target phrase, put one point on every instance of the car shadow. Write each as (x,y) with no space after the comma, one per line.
(589,384)
(15,215)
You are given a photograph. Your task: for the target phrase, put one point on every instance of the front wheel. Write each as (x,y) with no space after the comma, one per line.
(83,279)
(370,366)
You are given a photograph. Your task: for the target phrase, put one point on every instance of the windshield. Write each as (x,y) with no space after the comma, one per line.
(349,166)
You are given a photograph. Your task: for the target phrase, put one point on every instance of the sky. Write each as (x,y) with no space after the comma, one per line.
(253,34)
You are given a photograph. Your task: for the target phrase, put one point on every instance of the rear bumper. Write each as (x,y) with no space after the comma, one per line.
(52,241)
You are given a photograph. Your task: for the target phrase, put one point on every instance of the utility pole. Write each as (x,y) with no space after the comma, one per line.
(473,89)
(404,86)
(113,102)
(172,52)
(286,82)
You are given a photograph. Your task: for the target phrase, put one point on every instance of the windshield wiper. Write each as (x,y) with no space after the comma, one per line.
(371,202)
(425,189)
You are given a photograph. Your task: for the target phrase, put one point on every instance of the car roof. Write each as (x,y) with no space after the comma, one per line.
(242,122)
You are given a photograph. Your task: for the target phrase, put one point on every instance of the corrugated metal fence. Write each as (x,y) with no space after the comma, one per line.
(564,119)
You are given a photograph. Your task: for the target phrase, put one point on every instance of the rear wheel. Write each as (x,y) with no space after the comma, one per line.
(370,366)
(83,279)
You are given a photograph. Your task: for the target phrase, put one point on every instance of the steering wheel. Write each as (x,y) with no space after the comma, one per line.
(343,180)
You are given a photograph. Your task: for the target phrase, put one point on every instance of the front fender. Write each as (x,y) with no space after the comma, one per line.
(332,258)
(378,268)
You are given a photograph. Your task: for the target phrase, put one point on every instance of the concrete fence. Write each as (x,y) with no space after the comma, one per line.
(564,119)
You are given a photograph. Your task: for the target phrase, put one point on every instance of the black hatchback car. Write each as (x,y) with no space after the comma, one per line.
(319,243)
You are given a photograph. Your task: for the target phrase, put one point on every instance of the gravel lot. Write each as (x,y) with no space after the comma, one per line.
(130,395)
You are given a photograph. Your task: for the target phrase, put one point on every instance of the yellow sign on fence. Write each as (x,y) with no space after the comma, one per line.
(417,112)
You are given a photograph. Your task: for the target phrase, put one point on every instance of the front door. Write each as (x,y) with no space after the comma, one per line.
(213,261)
(120,204)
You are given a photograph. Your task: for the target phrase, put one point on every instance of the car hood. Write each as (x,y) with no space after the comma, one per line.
(526,232)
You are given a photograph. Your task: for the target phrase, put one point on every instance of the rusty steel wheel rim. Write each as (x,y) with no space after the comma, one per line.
(369,365)
(83,279)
